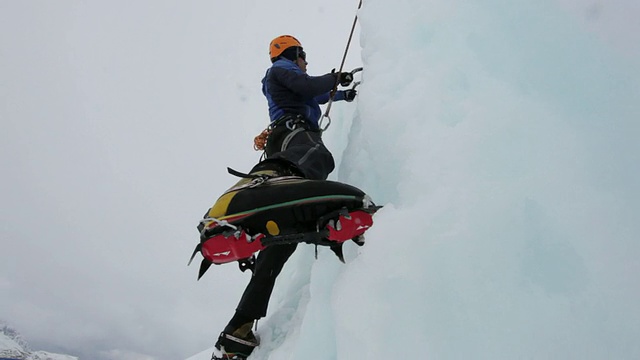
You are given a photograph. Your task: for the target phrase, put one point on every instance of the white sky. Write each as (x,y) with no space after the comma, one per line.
(119,120)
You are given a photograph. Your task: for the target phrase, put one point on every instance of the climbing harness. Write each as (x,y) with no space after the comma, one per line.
(287,139)
(295,123)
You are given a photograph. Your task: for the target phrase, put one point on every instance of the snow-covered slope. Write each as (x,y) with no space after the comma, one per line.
(44,355)
(9,349)
(14,347)
(502,138)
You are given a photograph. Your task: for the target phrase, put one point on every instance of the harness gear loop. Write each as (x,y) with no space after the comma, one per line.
(335,87)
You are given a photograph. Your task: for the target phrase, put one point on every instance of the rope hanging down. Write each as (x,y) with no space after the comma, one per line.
(335,87)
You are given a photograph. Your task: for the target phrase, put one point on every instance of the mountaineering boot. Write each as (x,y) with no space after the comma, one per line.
(236,343)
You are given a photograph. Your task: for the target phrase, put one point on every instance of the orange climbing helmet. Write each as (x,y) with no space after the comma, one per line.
(280,44)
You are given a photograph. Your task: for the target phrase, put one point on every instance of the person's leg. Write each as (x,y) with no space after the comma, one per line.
(237,336)
(269,263)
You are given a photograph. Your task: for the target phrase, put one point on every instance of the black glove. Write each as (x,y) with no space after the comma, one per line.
(349,95)
(345,78)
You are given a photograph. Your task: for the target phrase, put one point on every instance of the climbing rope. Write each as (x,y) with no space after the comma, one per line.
(335,87)
(260,141)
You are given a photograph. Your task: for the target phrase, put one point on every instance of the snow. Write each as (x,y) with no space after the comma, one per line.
(502,139)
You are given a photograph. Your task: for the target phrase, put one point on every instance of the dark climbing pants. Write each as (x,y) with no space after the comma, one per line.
(269,263)
(303,148)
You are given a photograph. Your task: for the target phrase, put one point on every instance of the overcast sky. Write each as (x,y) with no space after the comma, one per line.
(118,122)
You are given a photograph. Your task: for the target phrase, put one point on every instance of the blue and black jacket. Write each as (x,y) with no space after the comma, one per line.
(290,91)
